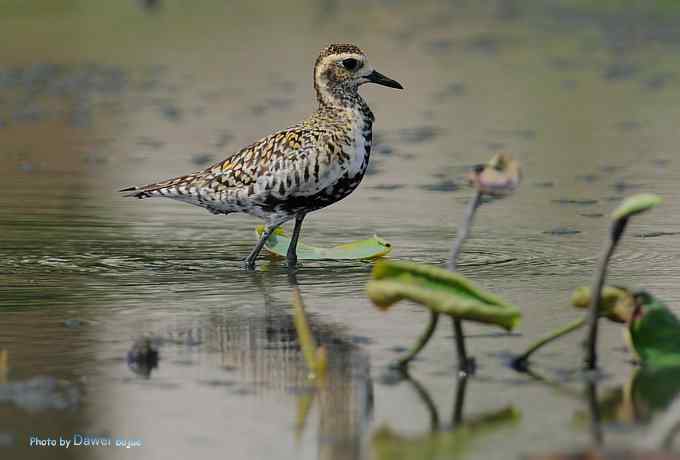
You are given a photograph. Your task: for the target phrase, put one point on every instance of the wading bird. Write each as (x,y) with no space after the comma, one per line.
(306,167)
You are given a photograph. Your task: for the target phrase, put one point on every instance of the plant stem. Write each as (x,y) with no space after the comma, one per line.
(461,385)
(520,363)
(464,364)
(465,229)
(402,363)
(617,228)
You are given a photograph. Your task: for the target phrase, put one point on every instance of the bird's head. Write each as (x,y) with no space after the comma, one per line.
(341,68)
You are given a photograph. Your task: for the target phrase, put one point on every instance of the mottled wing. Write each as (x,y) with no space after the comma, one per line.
(237,171)
(299,161)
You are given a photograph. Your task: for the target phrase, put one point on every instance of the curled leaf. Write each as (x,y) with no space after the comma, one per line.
(499,177)
(635,205)
(367,249)
(654,331)
(617,304)
(440,291)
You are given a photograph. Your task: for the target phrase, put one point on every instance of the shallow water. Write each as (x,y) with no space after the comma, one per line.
(95,96)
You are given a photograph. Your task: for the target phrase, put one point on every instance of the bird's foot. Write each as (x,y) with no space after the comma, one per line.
(248,264)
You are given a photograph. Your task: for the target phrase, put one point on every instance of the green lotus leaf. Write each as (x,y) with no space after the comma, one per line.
(439,290)
(370,248)
(635,205)
(655,333)
(386,444)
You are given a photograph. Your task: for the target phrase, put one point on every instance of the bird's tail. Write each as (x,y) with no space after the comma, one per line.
(170,188)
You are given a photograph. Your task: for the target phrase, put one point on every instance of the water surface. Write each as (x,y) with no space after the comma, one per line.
(95,96)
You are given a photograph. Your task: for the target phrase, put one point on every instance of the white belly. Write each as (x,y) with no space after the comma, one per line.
(358,155)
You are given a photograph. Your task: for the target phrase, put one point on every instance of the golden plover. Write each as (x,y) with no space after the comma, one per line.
(301,169)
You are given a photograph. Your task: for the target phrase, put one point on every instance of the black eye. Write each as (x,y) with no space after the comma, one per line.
(350,64)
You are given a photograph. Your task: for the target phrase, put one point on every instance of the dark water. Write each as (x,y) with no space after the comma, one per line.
(99,95)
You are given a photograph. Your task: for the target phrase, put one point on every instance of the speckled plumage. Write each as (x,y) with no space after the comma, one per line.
(304,168)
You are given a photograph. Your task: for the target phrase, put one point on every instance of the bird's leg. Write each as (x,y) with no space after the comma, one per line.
(250,260)
(291,257)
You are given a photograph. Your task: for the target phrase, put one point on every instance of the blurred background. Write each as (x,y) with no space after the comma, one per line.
(97,95)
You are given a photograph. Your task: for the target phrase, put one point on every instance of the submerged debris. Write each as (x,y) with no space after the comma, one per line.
(562,231)
(655,234)
(72,323)
(446,185)
(418,135)
(143,356)
(575,202)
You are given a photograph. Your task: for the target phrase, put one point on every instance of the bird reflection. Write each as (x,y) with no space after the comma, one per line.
(344,393)
(259,344)
(253,349)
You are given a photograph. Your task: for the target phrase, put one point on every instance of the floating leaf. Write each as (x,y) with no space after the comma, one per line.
(655,332)
(440,291)
(367,249)
(499,177)
(635,205)
(617,304)
(387,444)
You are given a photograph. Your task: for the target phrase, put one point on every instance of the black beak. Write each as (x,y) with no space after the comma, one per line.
(377,77)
